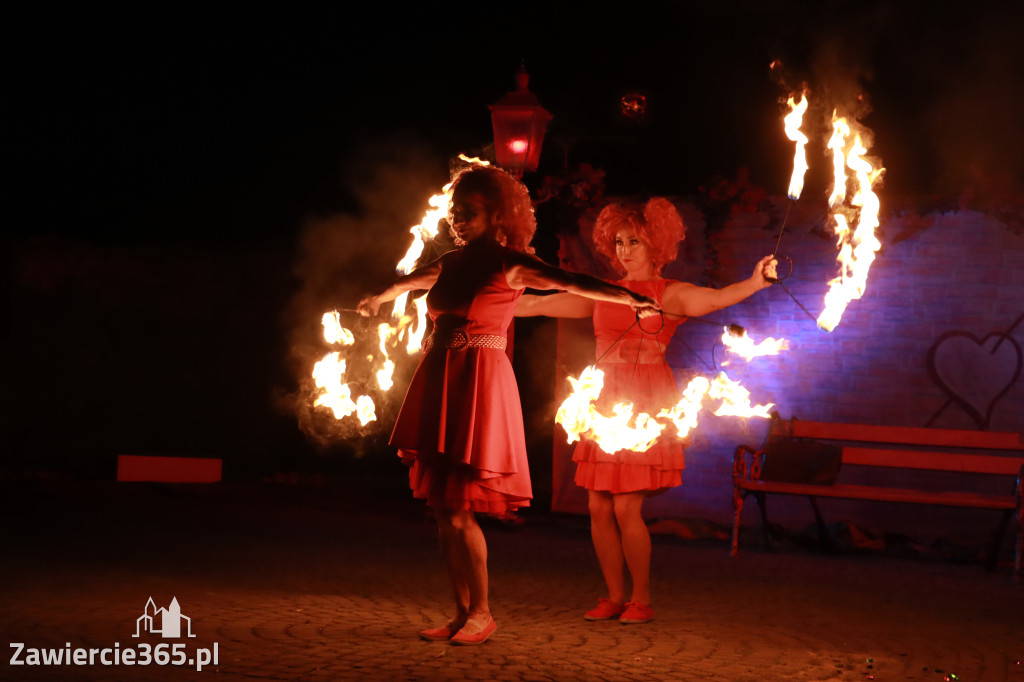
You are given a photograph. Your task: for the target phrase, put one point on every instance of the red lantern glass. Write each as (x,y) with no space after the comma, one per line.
(519,123)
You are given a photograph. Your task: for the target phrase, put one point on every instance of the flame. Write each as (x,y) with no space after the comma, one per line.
(427,227)
(744,346)
(579,416)
(386,332)
(425,230)
(329,372)
(334,332)
(364,410)
(735,399)
(328,375)
(857,249)
(792,122)
(684,413)
(840,131)
(416,335)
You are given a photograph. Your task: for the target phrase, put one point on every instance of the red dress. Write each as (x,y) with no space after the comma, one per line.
(635,370)
(460,428)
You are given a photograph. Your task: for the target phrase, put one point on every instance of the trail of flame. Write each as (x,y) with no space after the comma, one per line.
(744,346)
(792,122)
(857,250)
(579,416)
(684,413)
(735,399)
(329,373)
(837,143)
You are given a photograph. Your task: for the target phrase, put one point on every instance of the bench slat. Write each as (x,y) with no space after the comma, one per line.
(934,461)
(954,438)
(858,492)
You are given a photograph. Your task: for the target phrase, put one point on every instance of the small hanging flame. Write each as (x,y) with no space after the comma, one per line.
(792,122)
(857,249)
(744,346)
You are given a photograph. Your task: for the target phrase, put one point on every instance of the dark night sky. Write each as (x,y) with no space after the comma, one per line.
(191,191)
(199,127)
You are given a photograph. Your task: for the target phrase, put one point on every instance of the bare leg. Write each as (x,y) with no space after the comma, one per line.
(452,558)
(636,543)
(607,543)
(466,551)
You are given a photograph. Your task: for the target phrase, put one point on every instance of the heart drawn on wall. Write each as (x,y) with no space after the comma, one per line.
(975,373)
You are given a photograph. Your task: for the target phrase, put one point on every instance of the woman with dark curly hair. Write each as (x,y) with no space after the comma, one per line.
(638,240)
(460,428)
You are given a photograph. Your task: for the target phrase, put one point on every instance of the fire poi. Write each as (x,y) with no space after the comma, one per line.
(408,325)
(857,246)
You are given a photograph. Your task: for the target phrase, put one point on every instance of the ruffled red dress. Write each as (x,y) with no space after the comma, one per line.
(460,428)
(634,369)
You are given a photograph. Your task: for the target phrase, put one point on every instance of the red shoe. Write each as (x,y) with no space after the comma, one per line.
(606,609)
(441,634)
(472,638)
(636,613)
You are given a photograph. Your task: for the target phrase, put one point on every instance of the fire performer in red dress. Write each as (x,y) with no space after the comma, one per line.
(460,428)
(638,240)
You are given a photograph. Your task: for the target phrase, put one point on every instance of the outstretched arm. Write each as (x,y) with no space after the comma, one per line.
(691,300)
(420,278)
(554,305)
(528,271)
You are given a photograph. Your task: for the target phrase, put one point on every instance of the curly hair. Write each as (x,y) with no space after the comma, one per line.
(506,199)
(657,223)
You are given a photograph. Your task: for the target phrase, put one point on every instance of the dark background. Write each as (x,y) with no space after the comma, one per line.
(189,188)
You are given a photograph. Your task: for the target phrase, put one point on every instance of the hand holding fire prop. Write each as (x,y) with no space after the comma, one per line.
(368,306)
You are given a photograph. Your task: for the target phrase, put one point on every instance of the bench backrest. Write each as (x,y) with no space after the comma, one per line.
(866,433)
(853,435)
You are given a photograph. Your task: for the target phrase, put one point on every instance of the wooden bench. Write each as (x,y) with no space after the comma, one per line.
(805,458)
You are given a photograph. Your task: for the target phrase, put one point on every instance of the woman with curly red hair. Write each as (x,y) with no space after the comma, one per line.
(460,428)
(638,239)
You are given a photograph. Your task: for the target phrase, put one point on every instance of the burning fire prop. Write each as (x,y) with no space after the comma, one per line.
(579,416)
(741,344)
(857,246)
(792,123)
(408,324)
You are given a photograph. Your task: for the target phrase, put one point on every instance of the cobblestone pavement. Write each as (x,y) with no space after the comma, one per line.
(299,582)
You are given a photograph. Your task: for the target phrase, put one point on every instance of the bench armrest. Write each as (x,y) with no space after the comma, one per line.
(741,469)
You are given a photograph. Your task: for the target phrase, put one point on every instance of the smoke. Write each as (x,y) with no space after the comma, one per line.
(341,258)
(938,84)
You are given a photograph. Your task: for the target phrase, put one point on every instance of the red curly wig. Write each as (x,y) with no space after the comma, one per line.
(657,223)
(506,199)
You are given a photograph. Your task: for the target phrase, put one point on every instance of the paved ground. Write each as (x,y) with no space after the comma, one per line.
(333,582)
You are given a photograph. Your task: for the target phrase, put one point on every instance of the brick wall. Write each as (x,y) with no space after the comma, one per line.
(958,271)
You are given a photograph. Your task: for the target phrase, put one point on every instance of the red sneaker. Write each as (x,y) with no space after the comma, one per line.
(636,613)
(606,609)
